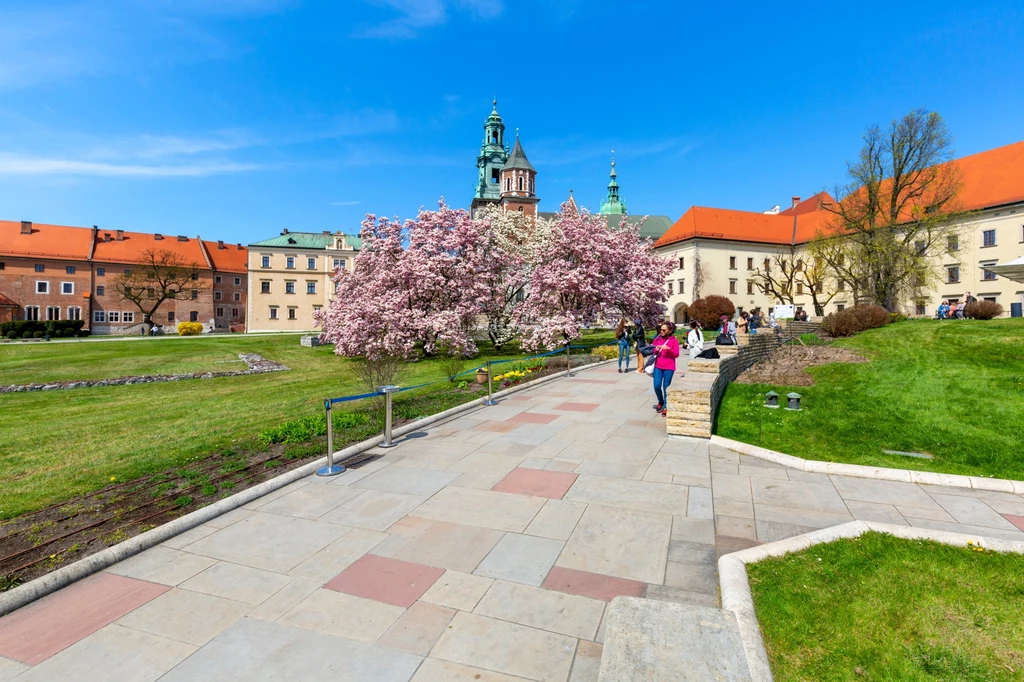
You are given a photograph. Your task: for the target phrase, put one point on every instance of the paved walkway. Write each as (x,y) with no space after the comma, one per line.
(486,550)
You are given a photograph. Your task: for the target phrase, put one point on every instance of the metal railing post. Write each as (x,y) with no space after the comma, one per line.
(568,361)
(331,469)
(490,400)
(387,391)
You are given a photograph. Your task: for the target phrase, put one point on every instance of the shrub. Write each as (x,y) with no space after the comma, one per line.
(38,335)
(983,310)
(12,335)
(452,366)
(83,332)
(607,352)
(26,335)
(840,324)
(67,333)
(870,316)
(708,311)
(897,317)
(190,328)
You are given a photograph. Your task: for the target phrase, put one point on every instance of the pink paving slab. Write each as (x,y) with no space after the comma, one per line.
(40,630)
(533,418)
(577,407)
(497,427)
(536,482)
(391,581)
(1015,520)
(593,585)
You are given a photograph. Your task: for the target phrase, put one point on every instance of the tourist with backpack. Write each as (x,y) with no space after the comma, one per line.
(666,350)
(624,337)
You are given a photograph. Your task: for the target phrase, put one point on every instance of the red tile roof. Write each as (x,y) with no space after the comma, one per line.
(6,302)
(990,178)
(232,258)
(132,245)
(46,241)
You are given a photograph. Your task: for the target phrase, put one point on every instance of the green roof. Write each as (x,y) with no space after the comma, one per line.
(653,227)
(308,240)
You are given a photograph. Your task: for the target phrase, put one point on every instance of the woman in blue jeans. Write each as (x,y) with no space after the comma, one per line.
(666,350)
(624,335)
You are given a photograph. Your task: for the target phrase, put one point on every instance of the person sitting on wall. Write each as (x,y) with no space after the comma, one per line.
(956,310)
(755,320)
(743,324)
(943,311)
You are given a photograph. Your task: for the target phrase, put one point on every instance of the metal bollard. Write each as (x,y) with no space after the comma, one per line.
(331,469)
(568,361)
(387,391)
(490,400)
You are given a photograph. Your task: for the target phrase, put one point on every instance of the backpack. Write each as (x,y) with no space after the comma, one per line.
(709,354)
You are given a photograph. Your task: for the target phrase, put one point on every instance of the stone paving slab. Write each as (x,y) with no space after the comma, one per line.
(509,584)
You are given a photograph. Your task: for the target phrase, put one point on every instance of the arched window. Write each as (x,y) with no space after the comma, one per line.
(508,184)
(520,183)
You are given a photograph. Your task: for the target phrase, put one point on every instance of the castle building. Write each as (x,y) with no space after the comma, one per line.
(505,179)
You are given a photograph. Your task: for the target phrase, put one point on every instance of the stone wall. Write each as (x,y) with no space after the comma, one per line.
(794,328)
(693,402)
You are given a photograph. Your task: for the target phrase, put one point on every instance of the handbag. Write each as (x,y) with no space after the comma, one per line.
(723,340)
(649,365)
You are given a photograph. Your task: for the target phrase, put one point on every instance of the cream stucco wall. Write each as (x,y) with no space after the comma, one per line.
(722,272)
(278,275)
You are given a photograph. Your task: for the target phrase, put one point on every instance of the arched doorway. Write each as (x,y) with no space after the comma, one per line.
(679,315)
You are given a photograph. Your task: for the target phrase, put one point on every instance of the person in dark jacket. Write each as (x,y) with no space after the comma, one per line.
(639,340)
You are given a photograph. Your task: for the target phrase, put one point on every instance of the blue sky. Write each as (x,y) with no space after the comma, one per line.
(236,118)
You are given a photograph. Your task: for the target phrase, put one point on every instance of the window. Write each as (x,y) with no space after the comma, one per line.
(236,296)
(264,287)
(52,313)
(100,290)
(128,273)
(494,171)
(989,298)
(238,281)
(170,316)
(99,316)
(952,274)
(289,262)
(317,308)
(216,295)
(216,280)
(128,316)
(291,313)
(67,287)
(953,243)
(508,184)
(670,288)
(234,312)
(2,265)
(42,287)
(32,313)
(74,313)
(273,312)
(101,272)
(750,264)
(311,263)
(840,307)
(114,316)
(343,263)
(799,288)
(732,286)
(988,238)
(289,287)
(520,183)
(732,262)
(750,287)
(310,287)
(193,316)
(988,275)
(682,263)
(919,309)
(220,312)
(800,266)
(40,267)
(195,294)
(195,276)
(265,262)
(70,269)
(841,285)
(682,286)
(921,247)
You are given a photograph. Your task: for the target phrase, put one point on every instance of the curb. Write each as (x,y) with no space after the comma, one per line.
(736,595)
(1000,485)
(94,563)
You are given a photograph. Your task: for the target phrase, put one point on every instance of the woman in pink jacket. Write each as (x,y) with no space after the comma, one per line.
(666,350)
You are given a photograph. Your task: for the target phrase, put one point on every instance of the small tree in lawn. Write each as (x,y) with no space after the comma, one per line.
(584,272)
(416,287)
(160,275)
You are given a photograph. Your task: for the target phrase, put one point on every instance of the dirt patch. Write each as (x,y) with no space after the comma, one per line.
(787,365)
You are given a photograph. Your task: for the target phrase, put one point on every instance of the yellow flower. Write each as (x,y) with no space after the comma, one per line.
(113,478)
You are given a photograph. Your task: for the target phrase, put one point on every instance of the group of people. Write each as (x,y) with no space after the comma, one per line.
(659,357)
(955,310)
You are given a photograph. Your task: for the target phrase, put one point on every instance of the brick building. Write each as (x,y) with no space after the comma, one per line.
(57,272)
(505,178)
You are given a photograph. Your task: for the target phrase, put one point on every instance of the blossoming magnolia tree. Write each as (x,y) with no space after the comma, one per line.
(587,271)
(415,287)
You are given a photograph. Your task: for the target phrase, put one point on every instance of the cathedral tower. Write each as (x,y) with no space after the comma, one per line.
(518,183)
(492,157)
(612,205)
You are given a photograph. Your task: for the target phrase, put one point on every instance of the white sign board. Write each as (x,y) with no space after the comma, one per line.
(785,312)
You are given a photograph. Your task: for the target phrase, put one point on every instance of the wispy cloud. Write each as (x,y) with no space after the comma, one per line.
(572,150)
(416,15)
(15,164)
(344,203)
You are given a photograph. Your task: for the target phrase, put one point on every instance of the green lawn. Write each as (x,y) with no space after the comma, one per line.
(881,608)
(57,444)
(953,389)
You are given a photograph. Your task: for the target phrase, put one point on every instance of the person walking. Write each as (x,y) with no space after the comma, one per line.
(743,324)
(695,339)
(666,350)
(639,341)
(624,337)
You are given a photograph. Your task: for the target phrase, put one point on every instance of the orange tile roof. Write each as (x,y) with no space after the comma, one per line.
(134,244)
(232,258)
(6,302)
(48,241)
(990,178)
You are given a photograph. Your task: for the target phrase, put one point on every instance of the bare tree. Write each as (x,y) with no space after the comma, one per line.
(895,217)
(700,275)
(815,275)
(160,275)
(777,276)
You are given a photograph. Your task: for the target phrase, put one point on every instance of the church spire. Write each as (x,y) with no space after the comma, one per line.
(612,204)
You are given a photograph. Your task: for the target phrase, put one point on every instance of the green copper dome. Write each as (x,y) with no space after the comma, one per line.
(612,204)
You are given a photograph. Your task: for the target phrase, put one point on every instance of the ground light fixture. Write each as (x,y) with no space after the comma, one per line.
(793,402)
(771,399)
